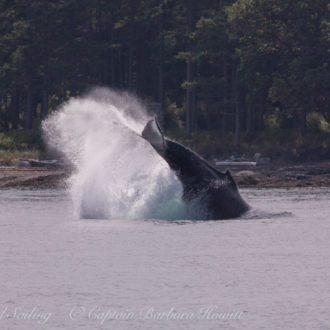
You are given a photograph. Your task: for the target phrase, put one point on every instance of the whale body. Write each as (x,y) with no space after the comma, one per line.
(216,192)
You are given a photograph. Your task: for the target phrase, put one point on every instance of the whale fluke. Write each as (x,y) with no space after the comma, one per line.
(154,135)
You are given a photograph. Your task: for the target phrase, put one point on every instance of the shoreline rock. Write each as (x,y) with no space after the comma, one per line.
(15,177)
(283,175)
(315,174)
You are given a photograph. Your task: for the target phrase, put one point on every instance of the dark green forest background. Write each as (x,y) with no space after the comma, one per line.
(224,76)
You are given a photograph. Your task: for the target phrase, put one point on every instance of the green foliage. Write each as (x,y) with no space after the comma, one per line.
(174,123)
(250,71)
(188,84)
(287,43)
(279,144)
(317,124)
(5,142)
(21,140)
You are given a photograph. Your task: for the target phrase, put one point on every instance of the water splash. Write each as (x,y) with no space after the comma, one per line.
(117,173)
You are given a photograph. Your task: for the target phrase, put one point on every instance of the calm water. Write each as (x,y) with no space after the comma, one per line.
(268,270)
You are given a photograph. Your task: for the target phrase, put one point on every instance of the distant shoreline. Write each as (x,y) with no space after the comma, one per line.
(314,174)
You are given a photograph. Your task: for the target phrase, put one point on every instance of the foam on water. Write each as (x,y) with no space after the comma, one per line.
(117,173)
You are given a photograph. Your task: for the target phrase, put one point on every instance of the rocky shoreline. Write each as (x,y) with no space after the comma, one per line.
(316,174)
(12,176)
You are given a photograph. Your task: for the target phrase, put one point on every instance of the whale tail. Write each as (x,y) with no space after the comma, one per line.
(154,135)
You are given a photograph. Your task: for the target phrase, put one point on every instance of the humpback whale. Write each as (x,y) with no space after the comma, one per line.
(216,192)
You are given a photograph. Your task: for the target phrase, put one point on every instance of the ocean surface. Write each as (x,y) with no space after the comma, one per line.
(270,269)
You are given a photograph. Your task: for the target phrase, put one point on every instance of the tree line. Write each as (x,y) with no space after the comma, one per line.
(213,65)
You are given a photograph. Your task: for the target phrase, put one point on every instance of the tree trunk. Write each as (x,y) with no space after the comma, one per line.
(249,117)
(160,67)
(44,101)
(261,114)
(132,33)
(225,96)
(113,81)
(303,127)
(120,69)
(29,104)
(193,107)
(130,69)
(189,92)
(237,119)
(15,109)
(5,123)
(189,98)
(237,107)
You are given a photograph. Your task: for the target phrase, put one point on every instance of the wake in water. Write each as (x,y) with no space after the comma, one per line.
(117,173)
(258,214)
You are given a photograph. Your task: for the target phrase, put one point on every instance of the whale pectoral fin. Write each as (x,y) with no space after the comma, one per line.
(154,135)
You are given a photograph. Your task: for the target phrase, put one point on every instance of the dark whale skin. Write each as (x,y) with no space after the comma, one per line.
(216,192)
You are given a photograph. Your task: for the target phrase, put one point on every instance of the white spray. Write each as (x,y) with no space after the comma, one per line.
(117,173)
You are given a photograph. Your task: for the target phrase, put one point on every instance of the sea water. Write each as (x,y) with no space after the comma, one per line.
(269,269)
